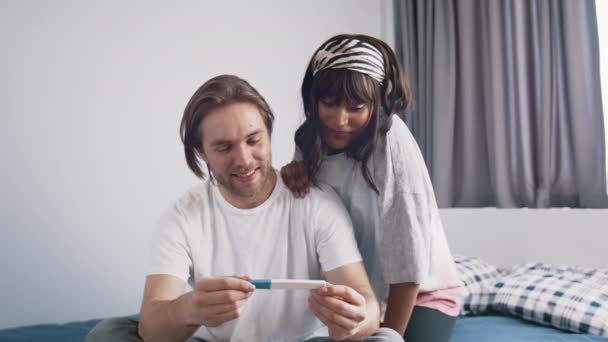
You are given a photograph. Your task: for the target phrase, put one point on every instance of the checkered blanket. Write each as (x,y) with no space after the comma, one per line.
(569,298)
(479,279)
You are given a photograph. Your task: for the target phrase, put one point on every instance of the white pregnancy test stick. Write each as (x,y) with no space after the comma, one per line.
(276,284)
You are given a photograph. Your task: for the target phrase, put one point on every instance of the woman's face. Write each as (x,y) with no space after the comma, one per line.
(342,121)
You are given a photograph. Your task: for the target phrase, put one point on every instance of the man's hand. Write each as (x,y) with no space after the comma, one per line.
(218,300)
(342,309)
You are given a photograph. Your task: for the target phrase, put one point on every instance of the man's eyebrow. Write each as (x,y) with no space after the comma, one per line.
(220,142)
(228,142)
(255,133)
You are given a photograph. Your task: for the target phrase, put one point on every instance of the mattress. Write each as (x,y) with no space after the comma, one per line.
(467,329)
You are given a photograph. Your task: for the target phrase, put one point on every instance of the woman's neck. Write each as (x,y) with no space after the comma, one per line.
(333,151)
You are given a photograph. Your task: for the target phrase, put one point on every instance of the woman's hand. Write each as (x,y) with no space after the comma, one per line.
(295,176)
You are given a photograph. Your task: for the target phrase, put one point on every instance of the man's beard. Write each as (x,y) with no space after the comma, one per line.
(232,186)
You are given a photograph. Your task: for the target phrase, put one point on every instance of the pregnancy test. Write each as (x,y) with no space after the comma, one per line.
(276,284)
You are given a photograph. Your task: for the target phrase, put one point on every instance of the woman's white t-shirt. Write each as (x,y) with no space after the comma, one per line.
(399,231)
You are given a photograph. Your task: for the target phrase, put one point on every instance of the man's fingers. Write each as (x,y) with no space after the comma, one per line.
(336,332)
(224,283)
(333,318)
(315,308)
(220,309)
(217,300)
(340,307)
(223,318)
(346,293)
(222,297)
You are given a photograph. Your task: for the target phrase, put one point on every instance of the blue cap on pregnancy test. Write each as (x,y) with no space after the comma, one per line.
(262,284)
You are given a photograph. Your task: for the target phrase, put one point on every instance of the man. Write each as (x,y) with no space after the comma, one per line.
(241,224)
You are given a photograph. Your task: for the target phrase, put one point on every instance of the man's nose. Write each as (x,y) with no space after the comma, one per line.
(243,156)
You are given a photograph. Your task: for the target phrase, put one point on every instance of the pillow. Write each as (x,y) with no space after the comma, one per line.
(569,298)
(479,279)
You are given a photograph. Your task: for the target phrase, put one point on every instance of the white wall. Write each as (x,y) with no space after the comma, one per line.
(505,237)
(91,94)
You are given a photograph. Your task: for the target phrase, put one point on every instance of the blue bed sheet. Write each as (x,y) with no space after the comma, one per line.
(468,329)
(508,329)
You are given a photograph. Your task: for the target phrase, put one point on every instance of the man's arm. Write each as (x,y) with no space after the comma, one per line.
(347,306)
(168,314)
(161,315)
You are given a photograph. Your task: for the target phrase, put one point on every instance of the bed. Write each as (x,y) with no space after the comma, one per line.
(468,329)
(547,266)
(520,233)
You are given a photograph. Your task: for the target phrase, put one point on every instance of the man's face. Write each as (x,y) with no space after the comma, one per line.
(236,146)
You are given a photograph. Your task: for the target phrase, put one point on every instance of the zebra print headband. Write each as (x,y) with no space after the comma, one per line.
(352,54)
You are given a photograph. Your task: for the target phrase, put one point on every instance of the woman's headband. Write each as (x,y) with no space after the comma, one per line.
(352,54)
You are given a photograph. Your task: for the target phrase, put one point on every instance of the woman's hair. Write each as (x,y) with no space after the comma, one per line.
(391,96)
(217,92)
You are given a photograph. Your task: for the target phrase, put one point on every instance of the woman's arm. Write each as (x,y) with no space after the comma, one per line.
(400,304)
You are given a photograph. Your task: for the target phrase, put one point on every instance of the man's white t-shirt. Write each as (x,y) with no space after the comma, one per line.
(203,235)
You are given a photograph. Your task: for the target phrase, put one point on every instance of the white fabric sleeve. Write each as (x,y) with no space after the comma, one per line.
(406,206)
(170,251)
(336,245)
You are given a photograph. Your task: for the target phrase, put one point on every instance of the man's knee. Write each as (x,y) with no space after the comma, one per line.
(114,329)
(386,335)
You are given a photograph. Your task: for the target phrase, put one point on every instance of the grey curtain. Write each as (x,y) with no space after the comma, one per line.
(508,106)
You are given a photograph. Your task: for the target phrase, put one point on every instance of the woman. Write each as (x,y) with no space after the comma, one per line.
(353,140)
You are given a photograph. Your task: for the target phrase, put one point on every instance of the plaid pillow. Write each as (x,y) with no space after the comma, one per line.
(568,298)
(479,279)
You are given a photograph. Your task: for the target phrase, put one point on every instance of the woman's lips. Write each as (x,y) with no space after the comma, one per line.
(337,133)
